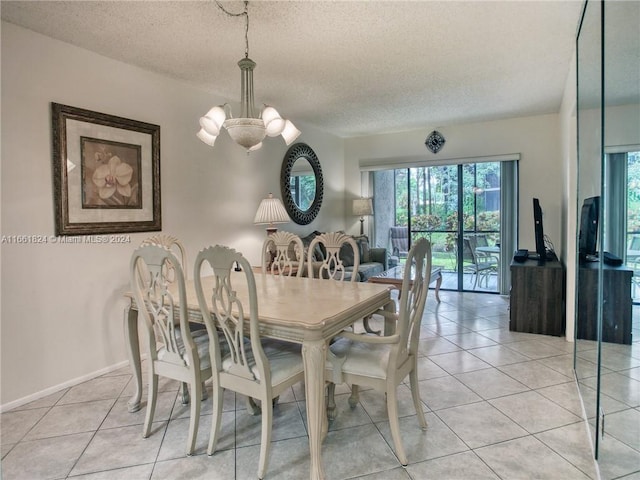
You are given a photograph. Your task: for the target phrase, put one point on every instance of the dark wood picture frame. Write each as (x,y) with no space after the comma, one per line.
(106,173)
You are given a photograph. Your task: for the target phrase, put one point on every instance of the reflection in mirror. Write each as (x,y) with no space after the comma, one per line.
(589,104)
(609,165)
(302,184)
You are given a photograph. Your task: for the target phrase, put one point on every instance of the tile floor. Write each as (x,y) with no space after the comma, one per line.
(500,405)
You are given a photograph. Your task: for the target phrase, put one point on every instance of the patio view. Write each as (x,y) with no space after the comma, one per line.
(456,207)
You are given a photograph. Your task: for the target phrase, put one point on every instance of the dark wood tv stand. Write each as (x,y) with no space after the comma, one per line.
(537,297)
(616,306)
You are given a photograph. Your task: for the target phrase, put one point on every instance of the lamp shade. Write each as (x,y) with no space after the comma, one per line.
(362,206)
(271,211)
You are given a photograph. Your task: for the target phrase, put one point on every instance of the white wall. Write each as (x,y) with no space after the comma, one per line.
(536,139)
(62,305)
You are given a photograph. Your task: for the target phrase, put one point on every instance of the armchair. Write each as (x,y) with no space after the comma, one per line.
(382,363)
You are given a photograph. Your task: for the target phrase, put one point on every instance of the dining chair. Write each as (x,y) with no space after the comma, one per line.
(283,254)
(382,363)
(334,249)
(242,361)
(172,349)
(175,245)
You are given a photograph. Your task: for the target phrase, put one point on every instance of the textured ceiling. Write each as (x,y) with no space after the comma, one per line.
(350,68)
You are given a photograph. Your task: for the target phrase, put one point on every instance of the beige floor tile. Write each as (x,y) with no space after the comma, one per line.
(437,440)
(498,355)
(465,465)
(69,419)
(458,362)
(528,457)
(120,447)
(534,374)
(220,466)
(480,424)
(491,383)
(15,424)
(45,459)
(569,442)
(445,392)
(534,412)
(139,472)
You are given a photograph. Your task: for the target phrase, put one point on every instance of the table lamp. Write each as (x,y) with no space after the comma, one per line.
(270,212)
(362,207)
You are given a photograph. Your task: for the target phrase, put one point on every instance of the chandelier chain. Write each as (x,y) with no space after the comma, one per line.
(244,14)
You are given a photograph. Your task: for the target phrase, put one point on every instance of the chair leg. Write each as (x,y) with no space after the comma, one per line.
(205,395)
(184,391)
(194,418)
(216,418)
(265,441)
(394,424)
(415,393)
(151,403)
(252,407)
(354,398)
(331,401)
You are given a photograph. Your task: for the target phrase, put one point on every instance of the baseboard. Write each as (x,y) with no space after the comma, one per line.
(56,388)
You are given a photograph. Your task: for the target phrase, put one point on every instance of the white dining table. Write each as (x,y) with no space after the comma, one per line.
(301,310)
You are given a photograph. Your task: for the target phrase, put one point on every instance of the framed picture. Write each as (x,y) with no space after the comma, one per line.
(106,173)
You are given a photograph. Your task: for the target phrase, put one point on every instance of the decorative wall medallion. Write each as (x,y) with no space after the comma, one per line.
(434,141)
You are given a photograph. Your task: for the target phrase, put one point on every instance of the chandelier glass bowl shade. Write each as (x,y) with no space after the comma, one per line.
(249,129)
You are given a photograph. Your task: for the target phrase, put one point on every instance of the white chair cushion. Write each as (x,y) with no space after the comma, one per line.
(285,359)
(366,359)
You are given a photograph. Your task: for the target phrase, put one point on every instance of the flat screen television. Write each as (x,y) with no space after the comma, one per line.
(541,250)
(588,236)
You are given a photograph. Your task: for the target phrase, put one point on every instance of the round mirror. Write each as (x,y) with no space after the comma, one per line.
(301,183)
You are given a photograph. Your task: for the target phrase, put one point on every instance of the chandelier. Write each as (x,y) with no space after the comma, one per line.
(249,129)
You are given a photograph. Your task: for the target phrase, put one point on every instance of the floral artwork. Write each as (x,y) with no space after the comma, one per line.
(110,174)
(106,173)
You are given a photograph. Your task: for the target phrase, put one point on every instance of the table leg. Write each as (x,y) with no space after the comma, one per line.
(133,349)
(389,323)
(438,284)
(313,356)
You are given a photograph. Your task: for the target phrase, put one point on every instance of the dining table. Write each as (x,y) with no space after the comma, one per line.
(302,310)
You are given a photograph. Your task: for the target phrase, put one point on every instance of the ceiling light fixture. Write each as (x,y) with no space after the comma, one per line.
(250,129)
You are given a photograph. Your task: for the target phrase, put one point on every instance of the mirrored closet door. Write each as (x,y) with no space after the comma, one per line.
(607,348)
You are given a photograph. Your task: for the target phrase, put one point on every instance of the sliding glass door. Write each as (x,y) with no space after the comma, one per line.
(458,209)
